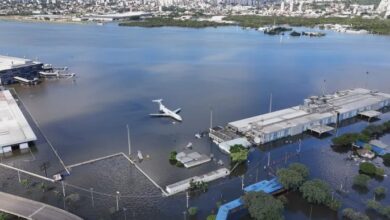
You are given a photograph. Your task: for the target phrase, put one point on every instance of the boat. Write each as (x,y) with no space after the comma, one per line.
(198,136)
(100,23)
(189,145)
(140,156)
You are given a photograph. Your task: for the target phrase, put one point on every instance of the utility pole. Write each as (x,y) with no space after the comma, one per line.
(366,84)
(270,103)
(128,139)
(269,159)
(93,203)
(257,173)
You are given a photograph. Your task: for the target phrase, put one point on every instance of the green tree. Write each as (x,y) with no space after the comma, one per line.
(300,168)
(263,206)
(348,138)
(361,180)
(290,179)
(367,168)
(238,153)
(316,191)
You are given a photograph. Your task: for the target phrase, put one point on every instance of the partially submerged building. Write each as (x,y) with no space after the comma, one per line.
(11,67)
(15,131)
(316,114)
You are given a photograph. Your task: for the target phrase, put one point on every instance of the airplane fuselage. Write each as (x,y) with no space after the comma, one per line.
(165,112)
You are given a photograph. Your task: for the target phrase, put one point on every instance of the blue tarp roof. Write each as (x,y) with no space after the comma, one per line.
(265,186)
(376,149)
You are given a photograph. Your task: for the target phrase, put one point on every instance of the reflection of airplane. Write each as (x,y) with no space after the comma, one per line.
(165,112)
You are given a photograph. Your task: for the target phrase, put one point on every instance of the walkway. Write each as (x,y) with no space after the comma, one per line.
(30,209)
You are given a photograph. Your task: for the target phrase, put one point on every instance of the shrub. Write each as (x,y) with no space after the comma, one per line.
(238,153)
(374,205)
(192,211)
(386,159)
(351,214)
(211,217)
(263,206)
(380,191)
(348,138)
(290,179)
(334,204)
(300,168)
(379,172)
(361,180)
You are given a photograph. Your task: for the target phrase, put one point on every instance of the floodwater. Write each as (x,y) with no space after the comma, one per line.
(229,70)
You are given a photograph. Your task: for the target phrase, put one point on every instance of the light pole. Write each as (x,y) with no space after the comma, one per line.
(128,139)
(117,200)
(188,198)
(124,212)
(93,203)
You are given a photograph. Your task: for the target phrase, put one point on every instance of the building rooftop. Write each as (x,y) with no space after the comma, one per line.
(14,128)
(7,62)
(313,109)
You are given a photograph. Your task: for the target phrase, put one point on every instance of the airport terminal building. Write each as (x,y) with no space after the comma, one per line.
(316,114)
(15,131)
(13,66)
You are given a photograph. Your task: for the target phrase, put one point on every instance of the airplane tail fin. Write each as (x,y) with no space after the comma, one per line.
(157,100)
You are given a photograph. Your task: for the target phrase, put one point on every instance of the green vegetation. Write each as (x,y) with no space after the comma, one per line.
(376,26)
(351,214)
(211,217)
(293,176)
(263,206)
(4,216)
(347,139)
(361,180)
(192,211)
(386,159)
(167,21)
(380,191)
(173,160)
(370,169)
(238,153)
(198,185)
(379,208)
(319,192)
(25,183)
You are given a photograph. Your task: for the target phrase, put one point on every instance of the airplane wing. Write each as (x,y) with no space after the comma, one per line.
(158,115)
(177,110)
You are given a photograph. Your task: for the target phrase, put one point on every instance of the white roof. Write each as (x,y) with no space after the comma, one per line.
(7,62)
(14,128)
(225,146)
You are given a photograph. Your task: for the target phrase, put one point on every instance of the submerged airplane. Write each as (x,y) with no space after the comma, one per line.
(165,112)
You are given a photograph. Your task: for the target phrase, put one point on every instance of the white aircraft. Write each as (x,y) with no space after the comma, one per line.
(165,112)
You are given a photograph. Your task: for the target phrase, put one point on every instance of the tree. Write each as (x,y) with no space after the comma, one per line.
(300,168)
(238,153)
(348,138)
(263,206)
(367,168)
(290,179)
(361,180)
(316,191)
(386,159)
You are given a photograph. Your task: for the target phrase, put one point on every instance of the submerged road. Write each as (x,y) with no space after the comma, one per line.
(30,209)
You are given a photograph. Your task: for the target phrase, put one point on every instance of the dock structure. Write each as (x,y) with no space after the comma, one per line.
(15,131)
(30,209)
(316,114)
(267,186)
(185,184)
